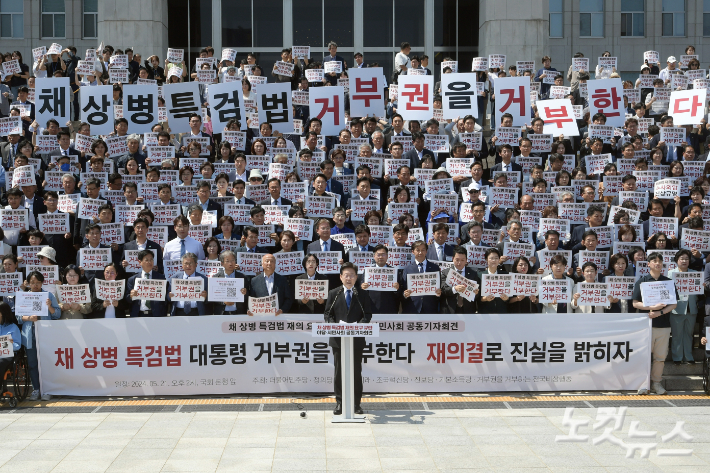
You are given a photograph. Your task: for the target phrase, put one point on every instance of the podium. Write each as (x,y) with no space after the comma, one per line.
(346,332)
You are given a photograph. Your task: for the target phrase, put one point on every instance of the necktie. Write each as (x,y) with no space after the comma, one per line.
(327,187)
(348,298)
(182,248)
(440,251)
(274,203)
(421,267)
(147,276)
(251,250)
(325,246)
(459,297)
(239,201)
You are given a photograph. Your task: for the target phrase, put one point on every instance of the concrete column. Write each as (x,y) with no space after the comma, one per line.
(517,28)
(135,23)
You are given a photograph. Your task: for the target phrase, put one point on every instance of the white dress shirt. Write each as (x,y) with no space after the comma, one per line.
(192,304)
(172,249)
(144,307)
(269,283)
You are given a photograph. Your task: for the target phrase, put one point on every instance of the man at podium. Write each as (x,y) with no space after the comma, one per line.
(346,304)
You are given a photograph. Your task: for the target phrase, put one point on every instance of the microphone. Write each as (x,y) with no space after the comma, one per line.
(334,300)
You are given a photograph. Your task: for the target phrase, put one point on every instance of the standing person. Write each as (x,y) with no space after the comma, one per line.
(344,304)
(589,272)
(140,307)
(269,282)
(311,306)
(228,259)
(453,302)
(419,304)
(177,247)
(72,277)
(660,322)
(683,317)
(401,61)
(522,304)
(547,70)
(382,302)
(29,340)
(332,77)
(101,309)
(181,308)
(496,304)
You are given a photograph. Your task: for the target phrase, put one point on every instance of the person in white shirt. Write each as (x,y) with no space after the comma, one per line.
(176,248)
(589,270)
(401,61)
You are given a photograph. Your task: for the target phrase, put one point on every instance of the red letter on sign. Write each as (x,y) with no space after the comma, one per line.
(417,95)
(365,90)
(557,116)
(334,109)
(695,105)
(512,99)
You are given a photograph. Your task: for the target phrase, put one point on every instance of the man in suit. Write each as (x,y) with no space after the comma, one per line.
(134,143)
(269,282)
(189,266)
(140,307)
(345,304)
(336,187)
(195,132)
(9,150)
(92,187)
(274,186)
(228,270)
(61,243)
(362,237)
(418,304)
(382,302)
(506,154)
(251,235)
(595,218)
(204,201)
(140,228)
(506,120)
(65,149)
(440,250)
(93,236)
(325,243)
(332,77)
(415,155)
(453,302)
(398,133)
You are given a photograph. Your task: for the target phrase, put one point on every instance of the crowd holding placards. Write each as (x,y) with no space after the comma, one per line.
(137,190)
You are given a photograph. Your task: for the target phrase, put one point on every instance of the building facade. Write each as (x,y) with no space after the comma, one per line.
(461,29)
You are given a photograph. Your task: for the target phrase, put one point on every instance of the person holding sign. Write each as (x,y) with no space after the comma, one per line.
(684,315)
(228,259)
(453,302)
(492,304)
(93,235)
(24,317)
(558,264)
(589,271)
(72,310)
(660,321)
(183,308)
(8,326)
(311,306)
(419,304)
(344,304)
(109,309)
(523,304)
(270,282)
(140,307)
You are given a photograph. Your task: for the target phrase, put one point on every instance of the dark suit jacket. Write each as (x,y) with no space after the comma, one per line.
(64,246)
(449,299)
(418,304)
(58,152)
(333,279)
(312,306)
(218,307)
(122,160)
(211,207)
(268,201)
(357,248)
(258,289)
(431,252)
(80,225)
(201,306)
(90,275)
(390,138)
(157,308)
(413,157)
(499,167)
(98,311)
(38,206)
(497,305)
(337,311)
(149,245)
(382,302)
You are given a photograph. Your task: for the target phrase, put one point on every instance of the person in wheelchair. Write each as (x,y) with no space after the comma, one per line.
(8,327)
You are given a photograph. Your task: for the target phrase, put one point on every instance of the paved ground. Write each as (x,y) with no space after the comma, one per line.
(482,439)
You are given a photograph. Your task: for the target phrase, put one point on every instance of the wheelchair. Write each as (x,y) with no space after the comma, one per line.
(18,373)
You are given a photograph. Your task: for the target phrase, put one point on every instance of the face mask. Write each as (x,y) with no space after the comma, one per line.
(65,167)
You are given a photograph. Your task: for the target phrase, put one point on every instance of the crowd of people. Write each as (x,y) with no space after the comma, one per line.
(473,238)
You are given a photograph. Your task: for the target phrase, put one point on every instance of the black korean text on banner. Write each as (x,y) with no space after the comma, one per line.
(182,100)
(458,93)
(416,97)
(327,104)
(140,107)
(53,97)
(558,116)
(275,106)
(513,96)
(97,108)
(366,92)
(226,103)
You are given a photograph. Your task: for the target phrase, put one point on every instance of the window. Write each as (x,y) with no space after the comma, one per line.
(11,20)
(591,18)
(91,13)
(236,24)
(632,17)
(53,19)
(409,23)
(706,17)
(673,18)
(556,20)
(268,23)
